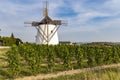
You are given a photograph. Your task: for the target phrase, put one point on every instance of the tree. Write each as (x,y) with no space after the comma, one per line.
(18,41)
(12,35)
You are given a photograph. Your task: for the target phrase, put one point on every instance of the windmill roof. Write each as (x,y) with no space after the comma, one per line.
(46,20)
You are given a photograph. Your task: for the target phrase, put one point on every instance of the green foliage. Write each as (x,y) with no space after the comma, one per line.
(66,58)
(9,41)
(91,56)
(51,58)
(14,61)
(40,58)
(79,53)
(115,54)
(100,55)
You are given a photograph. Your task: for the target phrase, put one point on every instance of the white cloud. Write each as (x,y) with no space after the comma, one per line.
(13,15)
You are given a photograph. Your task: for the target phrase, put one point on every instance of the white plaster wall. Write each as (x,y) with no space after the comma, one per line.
(53,41)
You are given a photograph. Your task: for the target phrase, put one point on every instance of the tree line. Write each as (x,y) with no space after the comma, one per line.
(9,41)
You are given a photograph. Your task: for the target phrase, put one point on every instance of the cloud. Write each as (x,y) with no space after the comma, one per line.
(87,17)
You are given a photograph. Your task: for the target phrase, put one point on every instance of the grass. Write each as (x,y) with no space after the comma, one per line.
(3,57)
(105,74)
(3,64)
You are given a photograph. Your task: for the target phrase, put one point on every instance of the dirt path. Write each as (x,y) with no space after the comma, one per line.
(4,47)
(70,72)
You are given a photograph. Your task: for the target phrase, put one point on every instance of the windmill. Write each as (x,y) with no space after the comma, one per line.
(47,28)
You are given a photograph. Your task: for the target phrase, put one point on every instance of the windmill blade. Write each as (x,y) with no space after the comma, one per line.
(59,22)
(64,22)
(56,22)
(34,23)
(27,24)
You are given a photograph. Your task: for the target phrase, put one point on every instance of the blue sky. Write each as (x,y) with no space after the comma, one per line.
(88,20)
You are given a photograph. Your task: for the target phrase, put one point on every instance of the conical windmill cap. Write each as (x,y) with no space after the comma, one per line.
(46,20)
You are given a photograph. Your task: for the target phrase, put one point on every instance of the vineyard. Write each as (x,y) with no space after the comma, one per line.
(31,59)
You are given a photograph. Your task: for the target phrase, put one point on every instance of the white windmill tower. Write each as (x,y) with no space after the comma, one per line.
(47,29)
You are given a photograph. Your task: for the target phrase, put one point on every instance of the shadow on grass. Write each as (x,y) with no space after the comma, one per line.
(25,73)
(3,59)
(5,74)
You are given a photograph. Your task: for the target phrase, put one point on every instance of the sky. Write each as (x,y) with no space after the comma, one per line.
(88,20)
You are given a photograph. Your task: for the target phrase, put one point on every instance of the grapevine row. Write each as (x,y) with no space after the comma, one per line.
(36,59)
